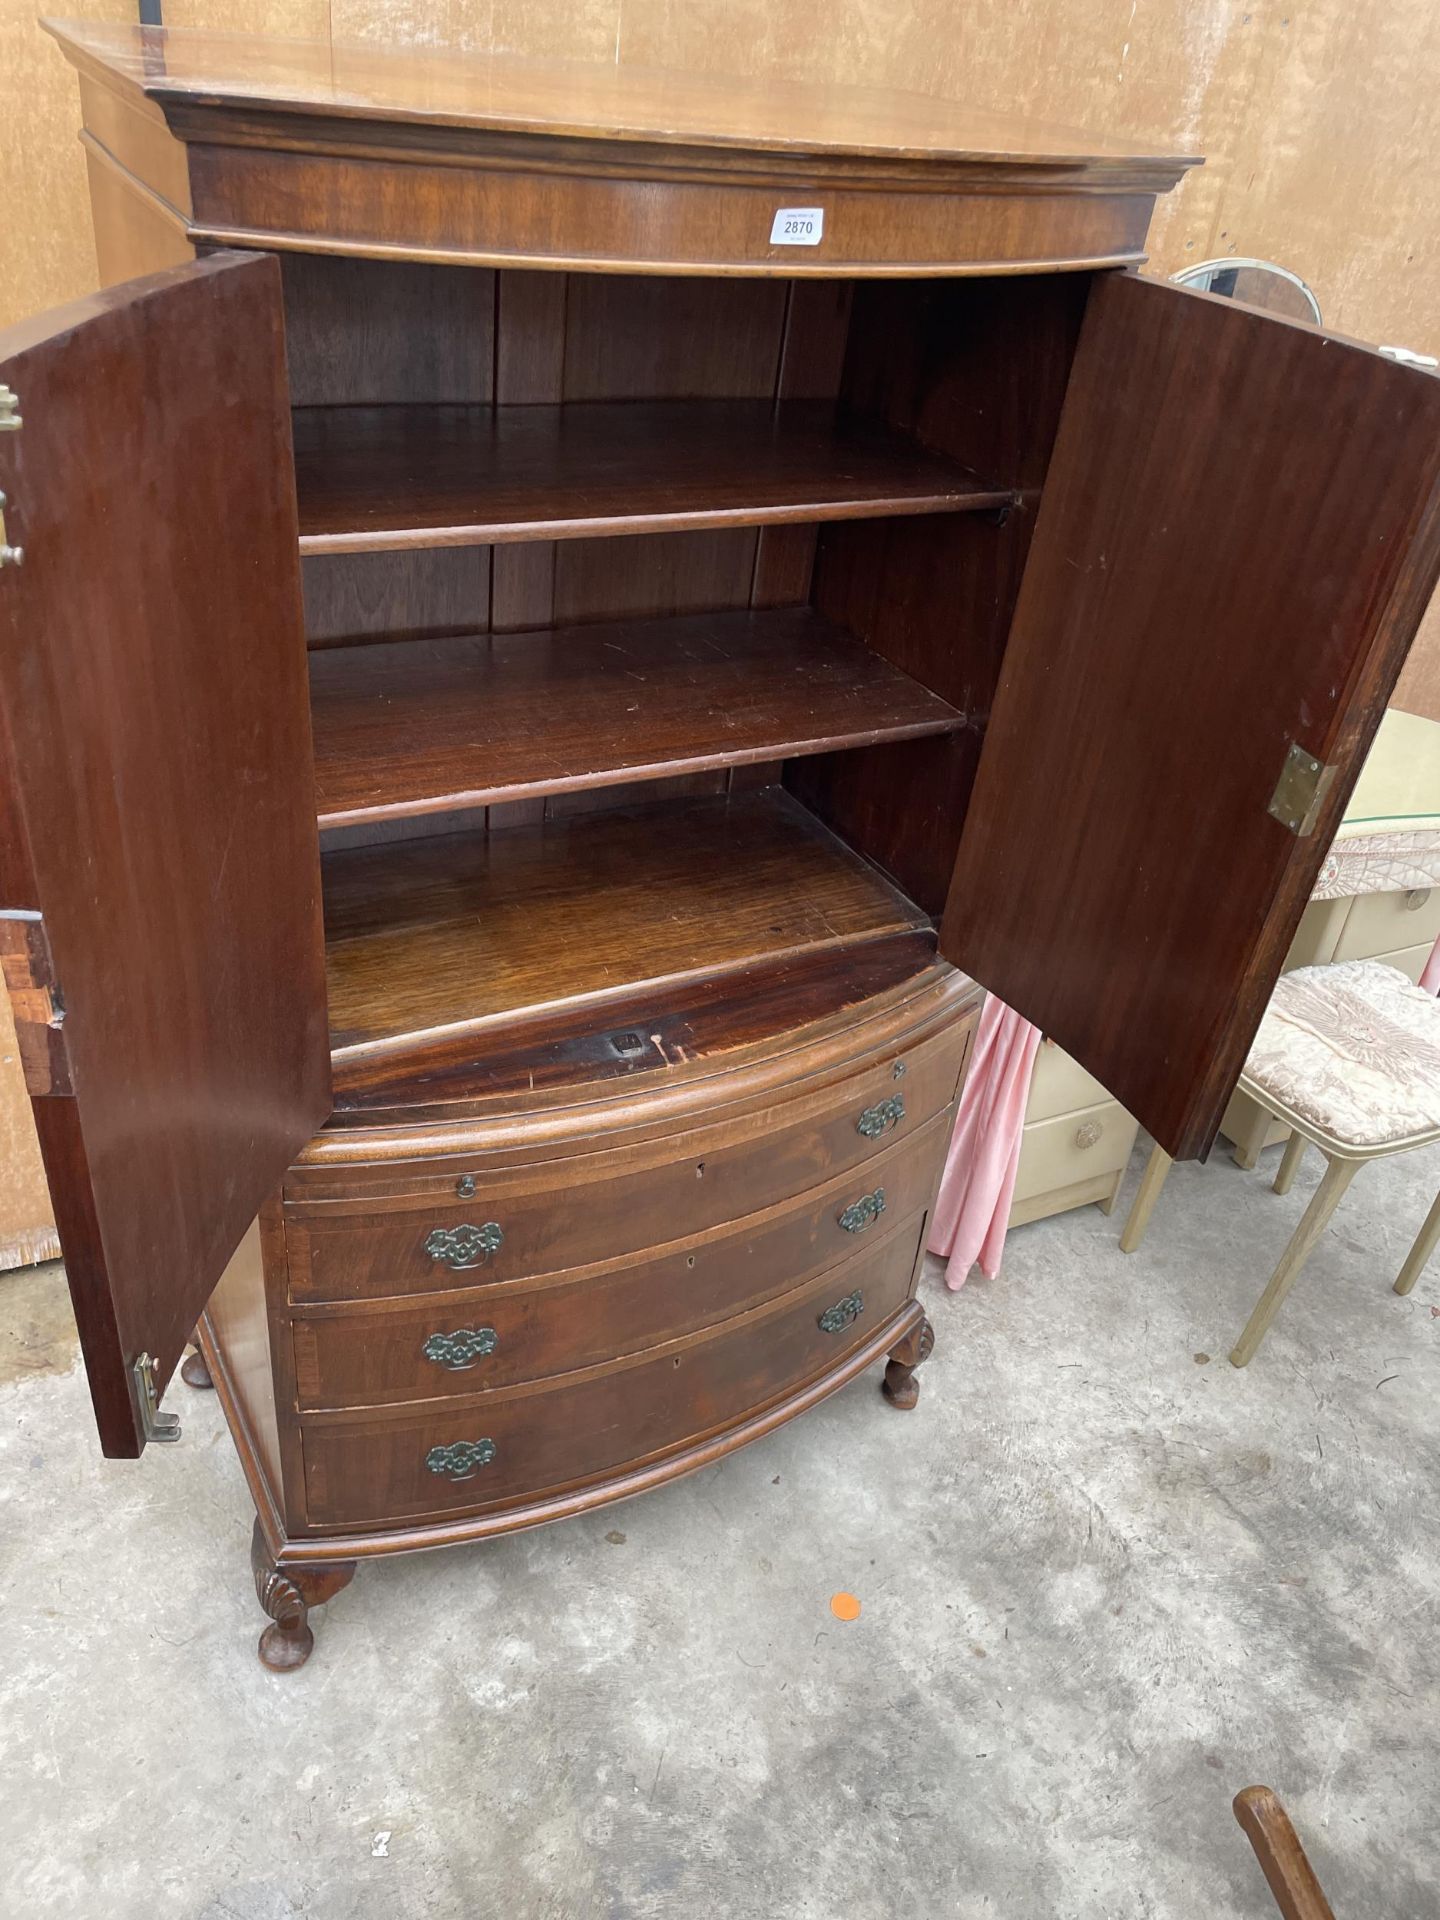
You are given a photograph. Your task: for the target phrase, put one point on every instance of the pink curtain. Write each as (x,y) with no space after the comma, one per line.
(1430,978)
(973,1204)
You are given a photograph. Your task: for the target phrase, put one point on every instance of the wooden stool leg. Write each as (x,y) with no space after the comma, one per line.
(1290,1164)
(1337,1177)
(1421,1251)
(1157,1168)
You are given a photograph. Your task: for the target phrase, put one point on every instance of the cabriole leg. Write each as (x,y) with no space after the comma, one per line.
(901,1388)
(287,1595)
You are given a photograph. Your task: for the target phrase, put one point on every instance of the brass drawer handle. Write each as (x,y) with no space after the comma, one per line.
(864,1212)
(880,1118)
(835,1319)
(464,1246)
(460,1350)
(1089,1134)
(462,1459)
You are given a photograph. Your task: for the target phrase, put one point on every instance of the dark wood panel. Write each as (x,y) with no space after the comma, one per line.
(416,594)
(382,332)
(594,1213)
(644,337)
(380,477)
(157,797)
(647,575)
(978,369)
(1240,530)
(699,1020)
(419,727)
(597,1422)
(462,931)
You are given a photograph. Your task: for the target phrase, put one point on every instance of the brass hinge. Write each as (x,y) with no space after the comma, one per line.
(10,421)
(29,974)
(155,1424)
(1300,791)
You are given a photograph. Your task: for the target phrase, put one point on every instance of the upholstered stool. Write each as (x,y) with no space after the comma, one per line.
(1347,1057)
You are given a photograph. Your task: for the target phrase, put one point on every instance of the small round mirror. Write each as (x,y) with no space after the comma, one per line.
(1258,283)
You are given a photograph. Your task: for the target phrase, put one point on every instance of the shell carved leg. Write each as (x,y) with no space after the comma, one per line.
(193,1370)
(901,1388)
(287,1595)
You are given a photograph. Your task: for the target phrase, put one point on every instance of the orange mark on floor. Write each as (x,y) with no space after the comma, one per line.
(844,1606)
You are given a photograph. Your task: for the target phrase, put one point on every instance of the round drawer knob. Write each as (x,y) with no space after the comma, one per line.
(1088,1134)
(1416,898)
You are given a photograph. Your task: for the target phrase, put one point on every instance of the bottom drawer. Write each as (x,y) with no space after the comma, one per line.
(1076,1146)
(525,1441)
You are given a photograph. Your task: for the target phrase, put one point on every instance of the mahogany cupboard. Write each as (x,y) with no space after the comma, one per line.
(554,621)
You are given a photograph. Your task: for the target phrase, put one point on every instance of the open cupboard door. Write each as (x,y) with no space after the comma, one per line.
(1237,537)
(159,869)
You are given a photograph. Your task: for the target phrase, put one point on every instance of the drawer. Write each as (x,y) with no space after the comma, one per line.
(520,1442)
(1380,924)
(1060,1084)
(459,1343)
(1073,1147)
(527,1221)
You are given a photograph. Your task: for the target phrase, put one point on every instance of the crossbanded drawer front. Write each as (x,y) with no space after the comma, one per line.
(518,1330)
(522,1442)
(568,1213)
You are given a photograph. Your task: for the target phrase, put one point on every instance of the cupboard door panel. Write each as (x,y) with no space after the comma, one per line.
(159,873)
(1237,536)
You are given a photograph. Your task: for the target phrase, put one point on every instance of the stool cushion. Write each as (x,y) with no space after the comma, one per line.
(1354,1049)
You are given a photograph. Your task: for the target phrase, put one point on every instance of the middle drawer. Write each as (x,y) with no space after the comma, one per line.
(511,1331)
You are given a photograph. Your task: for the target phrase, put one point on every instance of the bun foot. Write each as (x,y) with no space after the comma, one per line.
(287,1595)
(193,1370)
(901,1388)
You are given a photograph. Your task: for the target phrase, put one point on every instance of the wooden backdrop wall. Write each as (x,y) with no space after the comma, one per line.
(1319,120)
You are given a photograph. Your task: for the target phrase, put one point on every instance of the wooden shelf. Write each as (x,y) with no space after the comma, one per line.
(412,727)
(371,478)
(476,932)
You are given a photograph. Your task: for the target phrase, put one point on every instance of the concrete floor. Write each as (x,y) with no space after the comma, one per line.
(1106,1581)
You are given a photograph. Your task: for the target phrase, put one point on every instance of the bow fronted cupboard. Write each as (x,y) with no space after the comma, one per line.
(556,622)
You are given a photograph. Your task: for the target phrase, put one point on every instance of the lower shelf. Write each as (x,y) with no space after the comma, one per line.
(471,932)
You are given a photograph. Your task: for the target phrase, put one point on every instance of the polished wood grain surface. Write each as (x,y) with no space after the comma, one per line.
(603,103)
(1239,532)
(384,477)
(621,1195)
(706,1022)
(158,800)
(466,931)
(593,1421)
(415,728)
(526,1329)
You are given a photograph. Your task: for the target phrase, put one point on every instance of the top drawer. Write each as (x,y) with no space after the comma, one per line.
(525,1221)
(1384,922)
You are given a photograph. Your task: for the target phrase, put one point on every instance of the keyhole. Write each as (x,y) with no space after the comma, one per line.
(699,1169)
(690,1260)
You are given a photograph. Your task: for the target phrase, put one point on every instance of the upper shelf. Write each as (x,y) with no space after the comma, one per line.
(371,478)
(411,727)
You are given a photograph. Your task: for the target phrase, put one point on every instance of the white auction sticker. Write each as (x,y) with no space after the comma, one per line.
(798,227)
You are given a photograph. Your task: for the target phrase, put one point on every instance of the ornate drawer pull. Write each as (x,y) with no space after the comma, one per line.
(1087,1135)
(460,1350)
(864,1212)
(835,1319)
(464,1246)
(880,1118)
(462,1459)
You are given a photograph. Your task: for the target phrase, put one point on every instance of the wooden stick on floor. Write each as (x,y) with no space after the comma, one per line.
(1266,1825)
(1337,1177)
